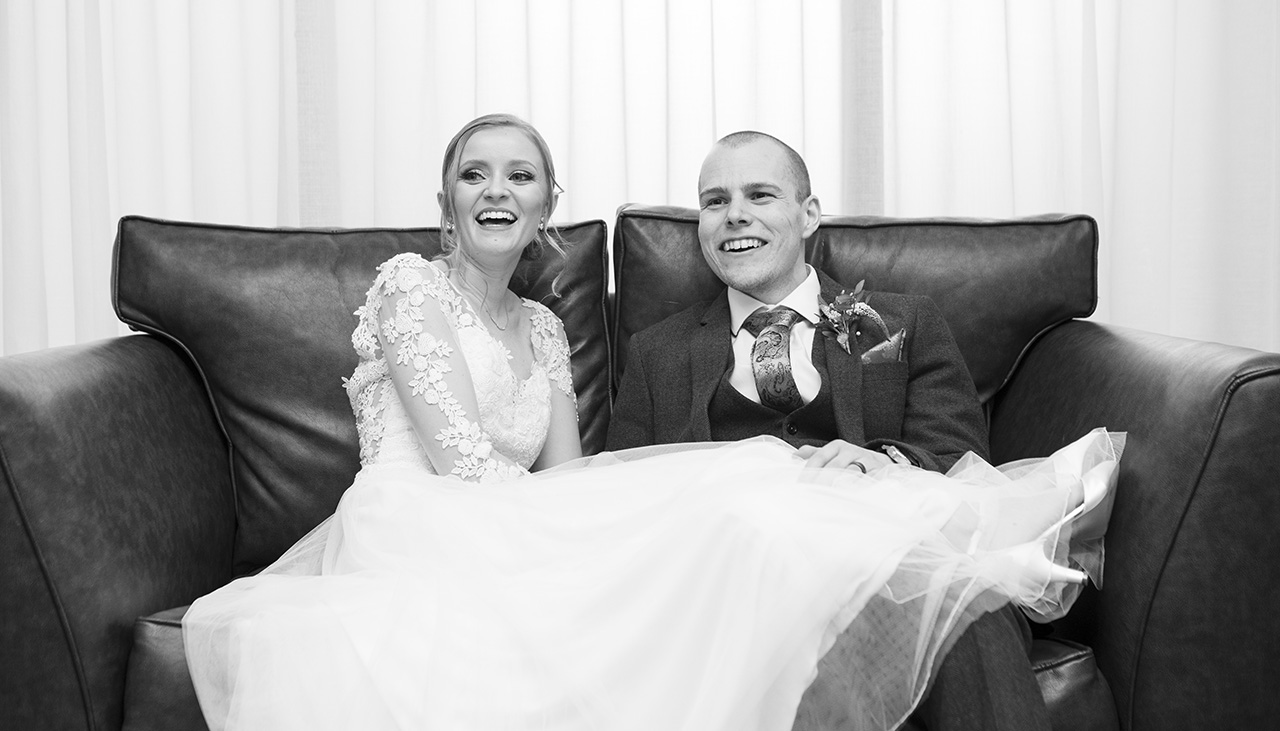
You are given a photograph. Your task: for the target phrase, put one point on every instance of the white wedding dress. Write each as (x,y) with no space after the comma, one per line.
(691,587)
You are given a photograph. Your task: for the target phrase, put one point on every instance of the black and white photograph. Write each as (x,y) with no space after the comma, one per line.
(625,365)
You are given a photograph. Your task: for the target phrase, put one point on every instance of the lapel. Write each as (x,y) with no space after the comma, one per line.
(709,353)
(844,375)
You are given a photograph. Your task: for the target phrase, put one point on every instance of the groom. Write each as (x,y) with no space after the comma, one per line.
(722,371)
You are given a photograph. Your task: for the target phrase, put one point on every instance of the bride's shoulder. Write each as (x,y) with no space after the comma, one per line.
(545,322)
(408,271)
(409,263)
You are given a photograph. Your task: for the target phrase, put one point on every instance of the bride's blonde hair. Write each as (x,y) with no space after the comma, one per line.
(547,235)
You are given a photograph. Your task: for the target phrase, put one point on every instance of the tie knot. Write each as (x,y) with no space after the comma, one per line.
(776,318)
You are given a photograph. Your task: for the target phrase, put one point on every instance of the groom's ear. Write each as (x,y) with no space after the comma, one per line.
(812,215)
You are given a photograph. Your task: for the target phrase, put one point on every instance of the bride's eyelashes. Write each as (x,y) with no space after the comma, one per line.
(475,175)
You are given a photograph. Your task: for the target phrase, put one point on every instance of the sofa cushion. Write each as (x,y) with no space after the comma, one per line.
(158,694)
(266,318)
(1076,694)
(999,283)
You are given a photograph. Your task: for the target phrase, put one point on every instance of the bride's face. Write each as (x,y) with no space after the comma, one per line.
(500,194)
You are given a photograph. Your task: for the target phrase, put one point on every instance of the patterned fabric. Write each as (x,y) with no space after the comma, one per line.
(771,357)
(734,416)
(426,325)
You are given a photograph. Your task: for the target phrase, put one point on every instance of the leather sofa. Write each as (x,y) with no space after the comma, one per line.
(141,472)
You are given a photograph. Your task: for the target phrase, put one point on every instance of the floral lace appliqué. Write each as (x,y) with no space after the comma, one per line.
(411,283)
(548,338)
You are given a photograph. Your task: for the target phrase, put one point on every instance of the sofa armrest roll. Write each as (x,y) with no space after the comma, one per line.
(115,502)
(1184,626)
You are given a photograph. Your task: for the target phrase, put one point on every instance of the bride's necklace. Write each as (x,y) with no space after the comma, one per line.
(461,284)
(503,328)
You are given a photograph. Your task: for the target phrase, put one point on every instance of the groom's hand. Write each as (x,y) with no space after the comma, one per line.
(841,455)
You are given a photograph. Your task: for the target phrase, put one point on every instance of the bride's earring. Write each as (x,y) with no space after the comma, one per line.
(448,226)
(542,223)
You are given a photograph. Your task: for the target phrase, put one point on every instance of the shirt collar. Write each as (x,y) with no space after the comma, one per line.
(803,299)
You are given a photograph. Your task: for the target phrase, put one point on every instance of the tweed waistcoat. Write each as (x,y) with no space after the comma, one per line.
(734,416)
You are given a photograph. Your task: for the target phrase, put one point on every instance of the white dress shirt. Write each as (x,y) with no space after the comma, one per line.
(804,300)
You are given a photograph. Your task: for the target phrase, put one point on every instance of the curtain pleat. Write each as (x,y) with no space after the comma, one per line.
(1194,208)
(861,55)
(1158,117)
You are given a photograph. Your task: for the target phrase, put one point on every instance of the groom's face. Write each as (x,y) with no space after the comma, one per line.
(751,222)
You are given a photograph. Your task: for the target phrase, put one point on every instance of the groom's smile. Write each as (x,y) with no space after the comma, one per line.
(743,244)
(752,220)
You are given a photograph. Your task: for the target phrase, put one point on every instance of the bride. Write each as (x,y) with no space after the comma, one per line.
(481,574)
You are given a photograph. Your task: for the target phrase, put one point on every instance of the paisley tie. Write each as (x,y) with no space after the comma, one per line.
(771,357)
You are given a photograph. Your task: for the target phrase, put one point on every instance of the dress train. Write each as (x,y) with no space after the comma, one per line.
(688,587)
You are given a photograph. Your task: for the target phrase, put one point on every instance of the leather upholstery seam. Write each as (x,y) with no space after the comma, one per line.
(1060,661)
(166,622)
(619,252)
(64,622)
(688,215)
(310,229)
(209,395)
(606,315)
(1224,404)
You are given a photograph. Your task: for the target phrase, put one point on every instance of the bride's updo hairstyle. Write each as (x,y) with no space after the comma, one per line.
(547,235)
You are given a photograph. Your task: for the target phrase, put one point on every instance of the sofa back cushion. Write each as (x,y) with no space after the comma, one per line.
(999,283)
(266,317)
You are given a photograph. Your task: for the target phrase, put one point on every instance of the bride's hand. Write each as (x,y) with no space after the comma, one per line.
(840,454)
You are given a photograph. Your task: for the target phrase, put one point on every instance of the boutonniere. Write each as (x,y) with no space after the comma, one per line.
(842,318)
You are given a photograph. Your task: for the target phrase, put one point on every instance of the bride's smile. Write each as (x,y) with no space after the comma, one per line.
(501,192)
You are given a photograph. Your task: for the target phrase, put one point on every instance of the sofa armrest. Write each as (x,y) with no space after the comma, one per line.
(115,502)
(1184,628)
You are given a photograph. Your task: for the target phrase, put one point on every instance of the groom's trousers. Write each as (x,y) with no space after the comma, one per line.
(985,681)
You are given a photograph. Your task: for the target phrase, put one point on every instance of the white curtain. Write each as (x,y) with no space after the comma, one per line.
(1159,118)
(336,113)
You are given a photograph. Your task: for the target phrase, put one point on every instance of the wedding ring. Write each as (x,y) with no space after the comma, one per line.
(859,465)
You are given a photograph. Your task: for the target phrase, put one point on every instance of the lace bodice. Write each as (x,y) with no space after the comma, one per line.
(415,322)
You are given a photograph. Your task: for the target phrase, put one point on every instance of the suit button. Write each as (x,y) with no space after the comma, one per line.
(791,429)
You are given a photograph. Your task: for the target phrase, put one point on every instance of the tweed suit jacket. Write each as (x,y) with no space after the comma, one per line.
(925,404)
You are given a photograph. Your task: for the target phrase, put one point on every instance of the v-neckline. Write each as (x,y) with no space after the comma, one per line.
(502,348)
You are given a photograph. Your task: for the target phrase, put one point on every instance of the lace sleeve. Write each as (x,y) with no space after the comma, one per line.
(418,318)
(550,341)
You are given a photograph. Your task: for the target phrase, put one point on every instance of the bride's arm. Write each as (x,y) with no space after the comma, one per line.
(417,313)
(563,441)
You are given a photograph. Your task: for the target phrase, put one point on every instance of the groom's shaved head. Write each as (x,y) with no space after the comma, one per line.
(795,164)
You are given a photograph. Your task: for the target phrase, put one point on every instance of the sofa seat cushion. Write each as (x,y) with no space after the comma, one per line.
(1078,697)
(159,694)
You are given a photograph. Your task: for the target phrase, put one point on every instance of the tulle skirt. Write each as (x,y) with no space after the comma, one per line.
(694,587)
